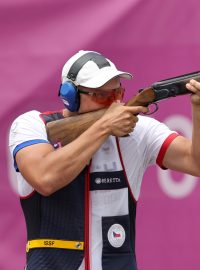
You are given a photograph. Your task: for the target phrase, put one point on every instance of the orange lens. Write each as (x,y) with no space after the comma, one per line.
(104,97)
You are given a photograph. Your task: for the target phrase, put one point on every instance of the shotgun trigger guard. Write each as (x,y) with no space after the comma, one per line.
(155,109)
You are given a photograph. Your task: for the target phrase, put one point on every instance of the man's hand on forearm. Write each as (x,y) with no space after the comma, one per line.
(194,87)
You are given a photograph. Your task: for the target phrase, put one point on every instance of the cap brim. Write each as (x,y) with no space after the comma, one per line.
(103,76)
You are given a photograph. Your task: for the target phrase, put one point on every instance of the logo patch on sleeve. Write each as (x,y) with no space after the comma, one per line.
(116,235)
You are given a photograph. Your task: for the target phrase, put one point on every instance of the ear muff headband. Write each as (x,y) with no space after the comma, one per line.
(80,62)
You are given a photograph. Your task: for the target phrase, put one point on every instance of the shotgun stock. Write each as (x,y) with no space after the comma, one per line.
(68,129)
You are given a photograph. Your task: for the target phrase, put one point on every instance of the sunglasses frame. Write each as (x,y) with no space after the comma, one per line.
(114,94)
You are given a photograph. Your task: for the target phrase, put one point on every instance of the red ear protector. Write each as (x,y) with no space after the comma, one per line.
(68,91)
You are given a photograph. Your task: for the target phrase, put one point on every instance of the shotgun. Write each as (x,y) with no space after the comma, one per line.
(66,130)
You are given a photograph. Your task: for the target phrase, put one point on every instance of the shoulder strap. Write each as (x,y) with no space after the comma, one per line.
(51,116)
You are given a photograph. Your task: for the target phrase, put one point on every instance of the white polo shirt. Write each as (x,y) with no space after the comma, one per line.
(145,146)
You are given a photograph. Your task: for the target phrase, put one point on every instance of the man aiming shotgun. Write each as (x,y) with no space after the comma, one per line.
(67,129)
(79,200)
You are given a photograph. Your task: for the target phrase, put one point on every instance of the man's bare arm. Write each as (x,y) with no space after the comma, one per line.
(48,170)
(184,154)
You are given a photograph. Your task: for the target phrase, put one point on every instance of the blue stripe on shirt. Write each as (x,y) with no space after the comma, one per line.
(25,144)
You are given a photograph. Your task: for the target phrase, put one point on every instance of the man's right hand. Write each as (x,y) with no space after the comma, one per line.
(120,120)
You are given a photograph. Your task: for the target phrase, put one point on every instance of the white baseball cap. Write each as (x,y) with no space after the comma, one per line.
(89,72)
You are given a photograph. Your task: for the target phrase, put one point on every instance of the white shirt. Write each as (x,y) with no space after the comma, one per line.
(139,150)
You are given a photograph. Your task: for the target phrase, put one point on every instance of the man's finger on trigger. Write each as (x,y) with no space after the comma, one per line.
(142,109)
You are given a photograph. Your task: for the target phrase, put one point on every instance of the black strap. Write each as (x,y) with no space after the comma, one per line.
(80,62)
(51,116)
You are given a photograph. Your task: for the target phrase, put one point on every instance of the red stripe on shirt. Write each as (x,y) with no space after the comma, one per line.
(164,148)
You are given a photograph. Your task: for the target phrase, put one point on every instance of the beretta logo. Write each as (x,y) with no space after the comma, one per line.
(109,180)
